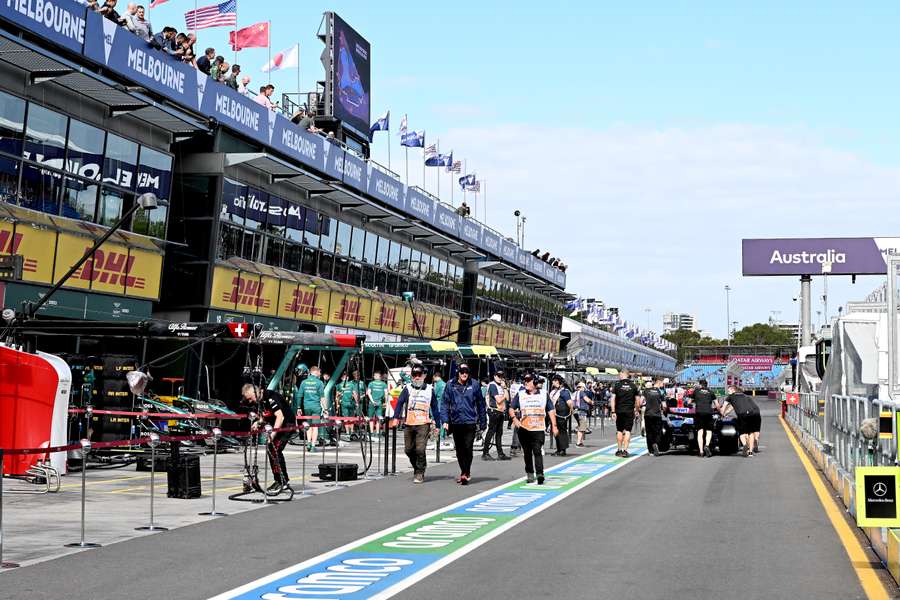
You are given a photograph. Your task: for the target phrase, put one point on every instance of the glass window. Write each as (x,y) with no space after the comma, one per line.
(234,201)
(355,275)
(257,203)
(311,232)
(40,189)
(310,260)
(381,256)
(85,155)
(357,243)
(380,280)
(277,217)
(12,122)
(293,257)
(45,136)
(155,173)
(341,269)
(150,222)
(326,265)
(295,216)
(120,161)
(342,245)
(79,199)
(394,257)
(403,263)
(415,266)
(111,207)
(425,269)
(9,180)
(329,234)
(368,277)
(371,248)
(442,269)
(274,248)
(230,243)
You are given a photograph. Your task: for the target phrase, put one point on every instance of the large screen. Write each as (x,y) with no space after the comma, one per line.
(350,76)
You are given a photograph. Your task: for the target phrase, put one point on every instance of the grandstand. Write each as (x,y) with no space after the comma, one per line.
(754,367)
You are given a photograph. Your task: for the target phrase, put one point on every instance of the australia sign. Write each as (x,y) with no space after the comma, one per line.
(814,256)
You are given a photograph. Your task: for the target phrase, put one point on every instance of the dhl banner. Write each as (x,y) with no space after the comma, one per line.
(353,312)
(268,296)
(336,307)
(288,299)
(237,290)
(389,318)
(35,245)
(500,337)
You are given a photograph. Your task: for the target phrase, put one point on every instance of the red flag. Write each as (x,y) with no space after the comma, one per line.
(156,3)
(239,330)
(255,36)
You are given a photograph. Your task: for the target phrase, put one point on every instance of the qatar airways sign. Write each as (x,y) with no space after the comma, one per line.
(846,256)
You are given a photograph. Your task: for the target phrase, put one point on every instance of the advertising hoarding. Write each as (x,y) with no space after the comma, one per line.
(807,256)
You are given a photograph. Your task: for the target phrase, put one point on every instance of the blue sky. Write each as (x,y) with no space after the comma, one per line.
(642,140)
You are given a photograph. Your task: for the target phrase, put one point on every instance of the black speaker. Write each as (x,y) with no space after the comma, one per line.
(184,477)
(348,471)
(143,463)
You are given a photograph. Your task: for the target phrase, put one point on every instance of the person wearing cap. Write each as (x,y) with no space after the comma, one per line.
(583,404)
(654,410)
(562,403)
(376,392)
(462,413)
(279,414)
(418,407)
(528,410)
(497,402)
(312,393)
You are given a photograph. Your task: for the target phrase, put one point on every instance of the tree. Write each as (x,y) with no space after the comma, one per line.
(682,338)
(762,334)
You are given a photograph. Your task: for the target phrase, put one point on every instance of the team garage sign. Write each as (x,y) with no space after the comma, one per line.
(809,256)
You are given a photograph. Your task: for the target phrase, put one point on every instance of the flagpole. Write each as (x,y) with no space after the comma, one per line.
(389,146)
(299,96)
(485,200)
(235,45)
(407,165)
(439,171)
(270,53)
(465,174)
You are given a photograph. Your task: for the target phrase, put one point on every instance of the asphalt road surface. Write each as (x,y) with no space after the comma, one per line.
(676,526)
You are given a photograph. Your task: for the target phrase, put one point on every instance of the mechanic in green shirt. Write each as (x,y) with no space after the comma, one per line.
(375,392)
(349,397)
(312,392)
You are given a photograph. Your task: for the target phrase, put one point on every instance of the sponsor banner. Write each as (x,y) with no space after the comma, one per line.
(355,312)
(304,147)
(268,296)
(382,186)
(420,206)
(35,245)
(334,161)
(123,52)
(753,363)
(389,317)
(522,258)
(847,256)
(354,171)
(287,300)
(490,242)
(509,251)
(114,268)
(471,232)
(78,305)
(336,307)
(386,562)
(59,21)
(232,109)
(447,221)
(877,490)
(443,325)
(312,303)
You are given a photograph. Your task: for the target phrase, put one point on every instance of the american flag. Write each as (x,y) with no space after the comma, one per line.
(456,167)
(431,150)
(475,187)
(219,15)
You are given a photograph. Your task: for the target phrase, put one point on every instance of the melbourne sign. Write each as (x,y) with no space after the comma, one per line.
(813,256)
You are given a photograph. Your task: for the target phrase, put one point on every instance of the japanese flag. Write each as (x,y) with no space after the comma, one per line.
(284,59)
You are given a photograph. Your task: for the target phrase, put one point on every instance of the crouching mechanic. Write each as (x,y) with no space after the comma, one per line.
(421,408)
(280,414)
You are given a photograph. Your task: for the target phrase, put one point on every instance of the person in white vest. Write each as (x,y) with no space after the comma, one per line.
(528,411)
(418,407)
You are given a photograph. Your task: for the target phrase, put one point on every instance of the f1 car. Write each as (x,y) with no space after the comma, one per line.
(678,430)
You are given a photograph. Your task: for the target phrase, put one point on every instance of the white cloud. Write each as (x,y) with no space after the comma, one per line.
(649,217)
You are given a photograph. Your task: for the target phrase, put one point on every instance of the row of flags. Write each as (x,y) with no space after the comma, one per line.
(257,35)
(595,314)
(433,157)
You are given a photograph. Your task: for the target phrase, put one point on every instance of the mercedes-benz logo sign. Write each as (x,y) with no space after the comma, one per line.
(879,489)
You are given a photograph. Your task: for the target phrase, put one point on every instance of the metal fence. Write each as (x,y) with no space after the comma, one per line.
(835,423)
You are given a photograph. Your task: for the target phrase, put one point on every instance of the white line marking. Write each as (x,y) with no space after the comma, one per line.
(420,575)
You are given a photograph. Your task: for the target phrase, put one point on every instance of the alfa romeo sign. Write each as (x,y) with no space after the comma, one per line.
(807,256)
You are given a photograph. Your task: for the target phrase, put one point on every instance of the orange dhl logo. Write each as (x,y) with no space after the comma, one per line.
(444,327)
(9,244)
(349,311)
(112,268)
(387,317)
(246,293)
(303,303)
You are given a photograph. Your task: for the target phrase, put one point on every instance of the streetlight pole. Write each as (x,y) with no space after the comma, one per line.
(728,312)
(648,311)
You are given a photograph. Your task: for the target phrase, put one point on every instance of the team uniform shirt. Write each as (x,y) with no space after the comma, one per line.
(653,402)
(439,390)
(420,404)
(703,401)
(345,393)
(493,391)
(272,402)
(626,395)
(743,404)
(312,390)
(534,409)
(377,390)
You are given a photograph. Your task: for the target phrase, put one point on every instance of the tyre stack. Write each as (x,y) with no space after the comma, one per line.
(101,382)
(87,370)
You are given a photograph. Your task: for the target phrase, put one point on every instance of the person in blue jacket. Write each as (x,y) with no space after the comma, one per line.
(463,413)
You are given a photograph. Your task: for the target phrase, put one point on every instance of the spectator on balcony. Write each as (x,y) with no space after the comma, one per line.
(188,55)
(93,6)
(232,79)
(306,121)
(178,52)
(219,70)
(242,86)
(164,40)
(463,210)
(204,63)
(139,25)
(108,10)
(128,15)
(265,92)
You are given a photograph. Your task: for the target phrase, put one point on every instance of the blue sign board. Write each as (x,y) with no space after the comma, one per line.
(387,189)
(304,147)
(509,251)
(490,241)
(447,220)
(334,161)
(59,21)
(522,259)
(471,232)
(354,171)
(419,205)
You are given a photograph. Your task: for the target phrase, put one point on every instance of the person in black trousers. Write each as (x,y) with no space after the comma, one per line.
(654,408)
(497,402)
(562,403)
(528,411)
(462,413)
